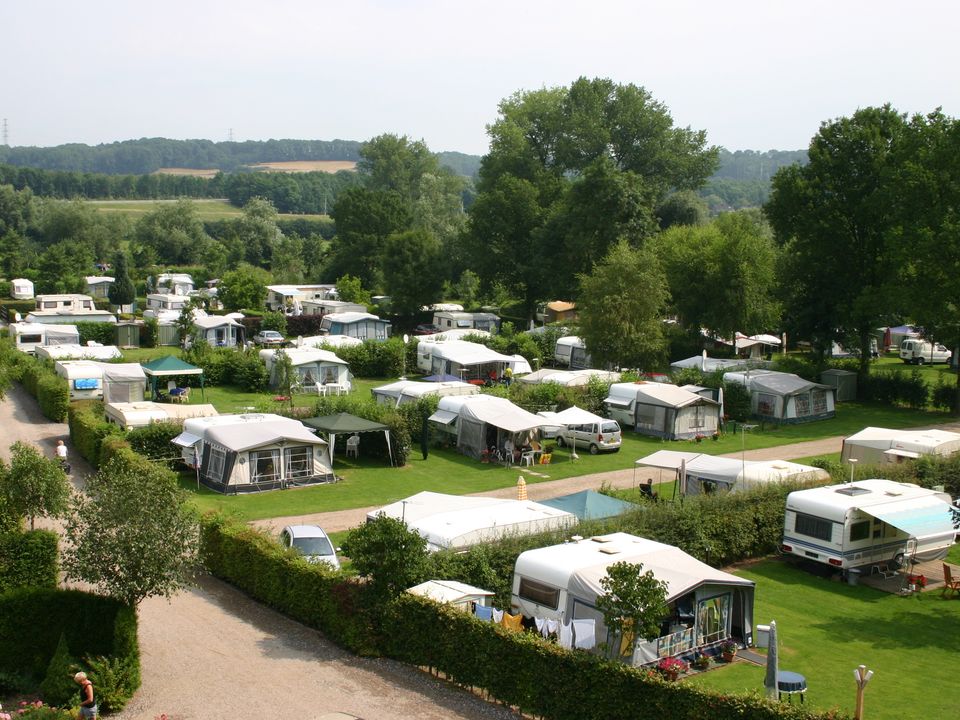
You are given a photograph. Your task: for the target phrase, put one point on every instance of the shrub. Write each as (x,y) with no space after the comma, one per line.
(274,321)
(114,680)
(153,440)
(29,559)
(58,687)
(150,333)
(893,387)
(88,430)
(100,332)
(943,395)
(50,390)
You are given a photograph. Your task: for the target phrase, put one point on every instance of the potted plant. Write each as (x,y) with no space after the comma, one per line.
(729,650)
(701,662)
(671,668)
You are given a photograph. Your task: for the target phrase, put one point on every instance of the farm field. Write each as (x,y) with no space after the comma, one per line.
(192,172)
(828,628)
(297,166)
(207,209)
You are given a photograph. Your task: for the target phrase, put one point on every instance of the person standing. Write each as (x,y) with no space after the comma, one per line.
(88,703)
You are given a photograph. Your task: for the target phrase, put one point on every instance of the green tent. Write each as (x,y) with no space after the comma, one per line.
(340,423)
(170,366)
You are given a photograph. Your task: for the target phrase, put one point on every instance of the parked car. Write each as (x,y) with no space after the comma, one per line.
(426,329)
(594,436)
(311,542)
(268,337)
(918,352)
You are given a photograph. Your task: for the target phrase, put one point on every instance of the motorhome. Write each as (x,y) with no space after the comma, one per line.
(915,351)
(21,289)
(28,336)
(868,522)
(67,308)
(571,351)
(448,320)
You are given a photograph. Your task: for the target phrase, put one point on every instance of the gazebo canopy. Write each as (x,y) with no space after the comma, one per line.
(169,366)
(339,423)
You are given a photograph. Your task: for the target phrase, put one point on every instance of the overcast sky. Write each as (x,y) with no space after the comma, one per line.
(755,75)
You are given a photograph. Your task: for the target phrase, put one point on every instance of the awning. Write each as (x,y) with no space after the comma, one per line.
(186,439)
(619,402)
(902,453)
(444,417)
(921,518)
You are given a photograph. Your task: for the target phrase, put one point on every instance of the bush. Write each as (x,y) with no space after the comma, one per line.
(29,559)
(50,390)
(100,332)
(88,430)
(893,387)
(274,321)
(58,687)
(150,333)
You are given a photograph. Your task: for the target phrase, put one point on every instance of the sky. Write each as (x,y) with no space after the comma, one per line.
(755,74)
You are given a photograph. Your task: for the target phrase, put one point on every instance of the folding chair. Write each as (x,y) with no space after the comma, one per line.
(950,586)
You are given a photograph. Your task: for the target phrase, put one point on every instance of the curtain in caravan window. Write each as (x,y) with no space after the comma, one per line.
(802,404)
(264,466)
(298,462)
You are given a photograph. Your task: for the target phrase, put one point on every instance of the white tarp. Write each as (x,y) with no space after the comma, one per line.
(123,382)
(79,352)
(500,413)
(876,445)
(411,390)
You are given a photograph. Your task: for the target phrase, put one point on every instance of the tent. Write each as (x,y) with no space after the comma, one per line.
(79,352)
(217,331)
(129,415)
(451,592)
(454,521)
(123,383)
(785,397)
(879,445)
(707,606)
(663,410)
(253,452)
(407,391)
(458,357)
(590,505)
(345,423)
(569,377)
(170,367)
(363,325)
(311,366)
(484,421)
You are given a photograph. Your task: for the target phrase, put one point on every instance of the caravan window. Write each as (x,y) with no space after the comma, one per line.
(540,593)
(803,405)
(30,339)
(218,458)
(813,527)
(860,531)
(265,465)
(819,401)
(299,462)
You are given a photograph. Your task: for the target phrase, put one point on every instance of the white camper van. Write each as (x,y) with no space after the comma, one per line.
(868,522)
(915,351)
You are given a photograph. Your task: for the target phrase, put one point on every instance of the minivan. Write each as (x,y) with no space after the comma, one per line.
(604,435)
(917,352)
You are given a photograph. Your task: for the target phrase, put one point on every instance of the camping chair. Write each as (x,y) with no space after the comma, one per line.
(546,458)
(950,586)
(353,446)
(884,570)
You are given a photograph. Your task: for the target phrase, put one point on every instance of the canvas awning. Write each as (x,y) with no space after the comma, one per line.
(186,439)
(619,402)
(444,417)
(340,423)
(920,518)
(897,452)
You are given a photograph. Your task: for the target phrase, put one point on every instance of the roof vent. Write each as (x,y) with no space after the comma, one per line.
(610,550)
(852,490)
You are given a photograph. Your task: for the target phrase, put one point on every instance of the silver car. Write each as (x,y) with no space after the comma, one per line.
(599,436)
(311,542)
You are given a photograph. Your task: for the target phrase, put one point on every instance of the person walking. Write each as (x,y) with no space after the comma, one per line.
(88,703)
(61,451)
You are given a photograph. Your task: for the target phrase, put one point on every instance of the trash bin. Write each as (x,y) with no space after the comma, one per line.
(853,576)
(763,636)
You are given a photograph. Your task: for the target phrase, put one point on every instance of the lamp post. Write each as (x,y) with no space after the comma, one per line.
(862,676)
(743,445)
(406,339)
(853,466)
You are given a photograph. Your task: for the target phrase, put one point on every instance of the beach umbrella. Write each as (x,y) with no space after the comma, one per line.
(521,488)
(770,681)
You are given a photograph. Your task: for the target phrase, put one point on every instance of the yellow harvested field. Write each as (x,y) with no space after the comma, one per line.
(195,172)
(296,166)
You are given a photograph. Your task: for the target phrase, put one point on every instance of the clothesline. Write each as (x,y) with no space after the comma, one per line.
(580,633)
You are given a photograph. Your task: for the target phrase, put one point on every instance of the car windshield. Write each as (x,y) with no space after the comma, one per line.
(313,546)
(610,428)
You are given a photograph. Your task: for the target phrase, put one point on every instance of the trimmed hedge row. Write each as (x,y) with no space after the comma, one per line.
(517,668)
(32,620)
(29,559)
(88,430)
(50,390)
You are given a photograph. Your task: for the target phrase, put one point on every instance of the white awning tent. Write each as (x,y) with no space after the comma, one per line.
(407,391)
(485,420)
(569,377)
(452,592)
(311,366)
(785,397)
(79,352)
(663,410)
(129,415)
(875,445)
(453,521)
(461,358)
(123,383)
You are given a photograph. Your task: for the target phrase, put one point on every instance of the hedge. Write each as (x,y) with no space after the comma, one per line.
(100,332)
(50,390)
(32,620)
(520,669)
(29,559)
(88,430)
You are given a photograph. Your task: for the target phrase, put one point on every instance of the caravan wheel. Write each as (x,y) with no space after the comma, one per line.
(898,560)
(920,361)
(560,442)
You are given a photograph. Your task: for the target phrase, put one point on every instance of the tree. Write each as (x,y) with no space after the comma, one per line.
(621,308)
(365,219)
(570,172)
(132,533)
(33,485)
(184,321)
(257,231)
(393,163)
(349,289)
(387,552)
(836,219)
(410,272)
(121,290)
(634,603)
(245,287)
(173,233)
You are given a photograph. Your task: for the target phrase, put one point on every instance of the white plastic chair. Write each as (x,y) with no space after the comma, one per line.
(353,446)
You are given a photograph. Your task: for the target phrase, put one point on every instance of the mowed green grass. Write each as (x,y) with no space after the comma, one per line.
(207,209)
(827,629)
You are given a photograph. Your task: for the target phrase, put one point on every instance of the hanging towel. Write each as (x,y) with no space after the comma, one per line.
(512,622)
(497,615)
(566,635)
(541,625)
(585,632)
(551,627)
(484,613)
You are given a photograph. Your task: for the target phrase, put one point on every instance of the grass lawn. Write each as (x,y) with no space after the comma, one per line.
(827,628)
(930,373)
(207,209)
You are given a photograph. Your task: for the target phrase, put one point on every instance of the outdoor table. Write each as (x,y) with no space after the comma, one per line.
(790,683)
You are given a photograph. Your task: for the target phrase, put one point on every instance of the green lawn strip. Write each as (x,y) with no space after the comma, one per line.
(828,628)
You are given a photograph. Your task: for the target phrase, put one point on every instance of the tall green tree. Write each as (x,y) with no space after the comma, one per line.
(173,234)
(389,554)
(836,218)
(32,485)
(132,533)
(591,162)
(350,289)
(410,272)
(244,287)
(633,602)
(365,219)
(396,163)
(621,307)
(121,290)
